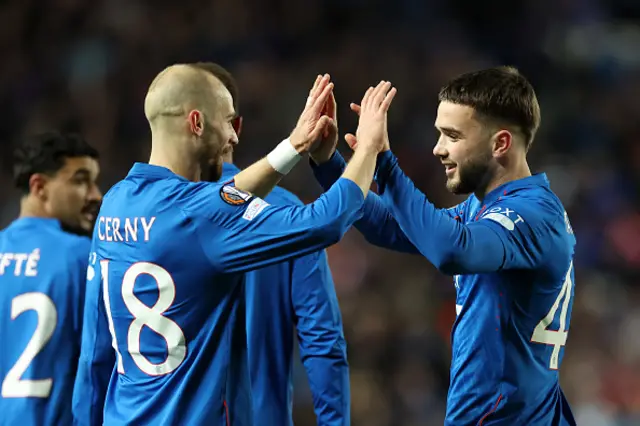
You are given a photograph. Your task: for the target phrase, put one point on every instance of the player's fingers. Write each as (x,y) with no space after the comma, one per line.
(372,96)
(351,140)
(331,107)
(325,108)
(375,95)
(323,123)
(317,90)
(315,84)
(365,98)
(321,100)
(355,108)
(386,102)
(382,90)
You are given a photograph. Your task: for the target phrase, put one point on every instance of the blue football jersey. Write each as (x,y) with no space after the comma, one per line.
(298,293)
(511,256)
(170,254)
(42,279)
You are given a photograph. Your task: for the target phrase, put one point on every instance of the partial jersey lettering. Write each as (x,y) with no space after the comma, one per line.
(116,229)
(20,264)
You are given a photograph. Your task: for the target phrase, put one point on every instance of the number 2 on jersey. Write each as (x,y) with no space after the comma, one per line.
(13,386)
(555,338)
(145,316)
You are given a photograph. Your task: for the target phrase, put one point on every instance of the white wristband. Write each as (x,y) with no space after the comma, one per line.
(284,157)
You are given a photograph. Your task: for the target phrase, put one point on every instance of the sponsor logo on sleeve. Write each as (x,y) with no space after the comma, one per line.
(254,208)
(234,196)
(504,216)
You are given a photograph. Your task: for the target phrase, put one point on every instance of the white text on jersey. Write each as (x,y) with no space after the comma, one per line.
(20,263)
(125,229)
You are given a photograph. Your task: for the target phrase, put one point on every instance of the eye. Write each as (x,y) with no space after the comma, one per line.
(453,137)
(82,180)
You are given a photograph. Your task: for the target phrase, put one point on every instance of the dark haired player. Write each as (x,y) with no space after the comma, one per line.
(509,247)
(43,267)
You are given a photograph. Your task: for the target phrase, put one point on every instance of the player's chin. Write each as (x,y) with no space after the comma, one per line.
(453,185)
(86,224)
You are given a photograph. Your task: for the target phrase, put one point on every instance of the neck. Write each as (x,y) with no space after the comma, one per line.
(30,208)
(174,156)
(502,175)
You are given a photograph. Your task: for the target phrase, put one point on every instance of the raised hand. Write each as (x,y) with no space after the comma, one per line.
(372,127)
(329,140)
(312,123)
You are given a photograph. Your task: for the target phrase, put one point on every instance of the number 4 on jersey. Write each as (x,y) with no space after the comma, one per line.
(555,338)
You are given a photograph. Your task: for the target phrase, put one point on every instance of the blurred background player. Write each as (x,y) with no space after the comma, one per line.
(43,268)
(509,246)
(170,289)
(299,293)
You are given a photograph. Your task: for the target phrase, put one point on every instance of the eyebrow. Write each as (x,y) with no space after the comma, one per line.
(449,131)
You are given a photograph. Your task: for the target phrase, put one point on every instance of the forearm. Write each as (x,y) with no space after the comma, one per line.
(361,168)
(377,225)
(261,177)
(258,179)
(329,381)
(450,245)
(279,233)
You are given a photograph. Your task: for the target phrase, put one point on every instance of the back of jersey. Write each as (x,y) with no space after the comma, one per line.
(42,278)
(168,314)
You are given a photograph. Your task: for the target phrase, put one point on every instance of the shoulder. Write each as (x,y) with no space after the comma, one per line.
(75,247)
(281,196)
(535,206)
(207,199)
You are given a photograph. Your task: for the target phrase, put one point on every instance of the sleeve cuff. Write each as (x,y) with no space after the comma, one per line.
(384,165)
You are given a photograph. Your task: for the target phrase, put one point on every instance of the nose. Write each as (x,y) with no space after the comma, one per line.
(439,150)
(95,194)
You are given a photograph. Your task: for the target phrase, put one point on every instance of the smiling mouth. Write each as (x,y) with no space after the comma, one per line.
(449,169)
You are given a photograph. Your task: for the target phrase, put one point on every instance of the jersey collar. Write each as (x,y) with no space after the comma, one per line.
(152,172)
(149,171)
(536,180)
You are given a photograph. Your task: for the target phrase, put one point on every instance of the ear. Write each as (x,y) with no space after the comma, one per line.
(502,141)
(38,186)
(196,123)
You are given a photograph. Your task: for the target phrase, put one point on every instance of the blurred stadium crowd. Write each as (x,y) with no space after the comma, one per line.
(85,66)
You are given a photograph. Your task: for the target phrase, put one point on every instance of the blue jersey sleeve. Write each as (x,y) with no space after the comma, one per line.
(507,236)
(239,232)
(97,357)
(377,225)
(323,349)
